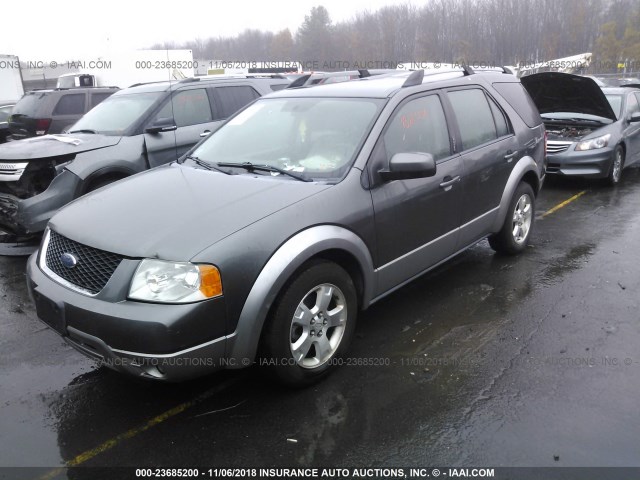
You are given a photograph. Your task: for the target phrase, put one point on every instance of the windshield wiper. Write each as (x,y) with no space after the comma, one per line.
(205,165)
(85,130)
(250,167)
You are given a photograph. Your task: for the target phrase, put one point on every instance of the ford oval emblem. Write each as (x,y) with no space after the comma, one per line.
(68,260)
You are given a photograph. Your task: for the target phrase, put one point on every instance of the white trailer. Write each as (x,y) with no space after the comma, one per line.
(11,88)
(124,69)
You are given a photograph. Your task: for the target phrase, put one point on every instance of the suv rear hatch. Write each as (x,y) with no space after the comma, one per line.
(25,120)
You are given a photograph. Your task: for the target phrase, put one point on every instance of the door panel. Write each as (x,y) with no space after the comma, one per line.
(489,152)
(191,113)
(416,223)
(416,220)
(632,130)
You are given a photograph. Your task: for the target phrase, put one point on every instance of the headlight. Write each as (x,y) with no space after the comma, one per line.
(594,143)
(174,282)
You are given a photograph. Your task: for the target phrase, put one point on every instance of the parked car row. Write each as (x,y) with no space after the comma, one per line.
(266,238)
(133,130)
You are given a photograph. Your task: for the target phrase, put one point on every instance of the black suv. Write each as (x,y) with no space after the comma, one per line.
(42,112)
(310,204)
(135,129)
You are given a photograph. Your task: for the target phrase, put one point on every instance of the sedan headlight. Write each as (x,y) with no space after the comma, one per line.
(594,143)
(174,282)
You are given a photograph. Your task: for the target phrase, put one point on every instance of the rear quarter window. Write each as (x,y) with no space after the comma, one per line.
(516,96)
(72,104)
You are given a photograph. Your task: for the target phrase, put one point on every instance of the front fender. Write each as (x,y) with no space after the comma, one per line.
(524,166)
(243,343)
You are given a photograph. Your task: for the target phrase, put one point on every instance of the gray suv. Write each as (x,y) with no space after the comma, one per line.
(264,241)
(133,130)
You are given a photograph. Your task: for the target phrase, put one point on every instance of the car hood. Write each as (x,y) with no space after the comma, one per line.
(49,146)
(563,92)
(174,212)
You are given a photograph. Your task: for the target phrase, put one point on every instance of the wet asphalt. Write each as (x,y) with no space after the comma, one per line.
(488,361)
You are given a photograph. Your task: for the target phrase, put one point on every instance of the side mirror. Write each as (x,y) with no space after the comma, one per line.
(404,166)
(635,117)
(162,125)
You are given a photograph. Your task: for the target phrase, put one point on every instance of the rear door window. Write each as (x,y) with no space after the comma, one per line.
(229,100)
(474,117)
(71,104)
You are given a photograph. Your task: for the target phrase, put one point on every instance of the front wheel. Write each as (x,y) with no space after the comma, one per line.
(513,238)
(615,173)
(311,325)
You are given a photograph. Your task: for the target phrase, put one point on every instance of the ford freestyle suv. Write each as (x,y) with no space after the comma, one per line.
(133,130)
(265,240)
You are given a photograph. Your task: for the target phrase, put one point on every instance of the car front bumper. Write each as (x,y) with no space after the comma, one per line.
(141,339)
(589,163)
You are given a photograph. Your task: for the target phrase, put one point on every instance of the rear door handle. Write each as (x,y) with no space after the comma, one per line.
(205,133)
(448,184)
(509,156)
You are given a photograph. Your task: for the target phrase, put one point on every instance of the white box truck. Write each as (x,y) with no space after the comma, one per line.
(11,88)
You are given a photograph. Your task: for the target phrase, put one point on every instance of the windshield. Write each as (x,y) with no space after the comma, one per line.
(315,137)
(117,113)
(616,103)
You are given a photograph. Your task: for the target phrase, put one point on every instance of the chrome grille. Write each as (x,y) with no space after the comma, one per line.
(557,147)
(93,269)
(11,172)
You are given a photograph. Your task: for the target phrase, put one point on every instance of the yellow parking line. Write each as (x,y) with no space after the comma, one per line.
(563,204)
(112,442)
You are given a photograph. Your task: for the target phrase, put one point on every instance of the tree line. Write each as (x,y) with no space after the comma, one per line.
(496,32)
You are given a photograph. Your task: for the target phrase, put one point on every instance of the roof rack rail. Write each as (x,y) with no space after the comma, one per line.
(311,79)
(223,76)
(629,85)
(415,78)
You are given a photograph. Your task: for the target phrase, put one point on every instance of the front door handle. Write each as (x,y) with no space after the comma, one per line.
(205,133)
(509,156)
(448,182)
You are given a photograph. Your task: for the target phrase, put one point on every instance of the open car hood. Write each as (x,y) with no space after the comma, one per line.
(49,146)
(563,92)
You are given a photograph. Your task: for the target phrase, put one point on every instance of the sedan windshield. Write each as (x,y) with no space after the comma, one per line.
(316,138)
(116,114)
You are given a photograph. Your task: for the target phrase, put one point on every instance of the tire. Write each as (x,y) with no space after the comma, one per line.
(300,344)
(615,172)
(514,236)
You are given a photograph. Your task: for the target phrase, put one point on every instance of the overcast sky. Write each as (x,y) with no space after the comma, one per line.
(44,31)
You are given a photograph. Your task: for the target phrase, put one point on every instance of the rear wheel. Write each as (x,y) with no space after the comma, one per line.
(311,325)
(516,230)
(615,173)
